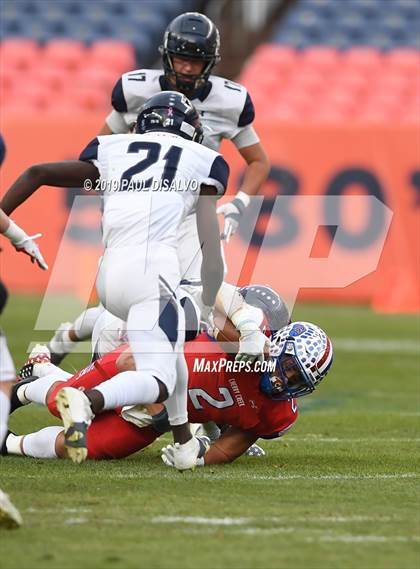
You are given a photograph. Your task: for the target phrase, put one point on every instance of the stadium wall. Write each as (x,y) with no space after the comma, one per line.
(307,160)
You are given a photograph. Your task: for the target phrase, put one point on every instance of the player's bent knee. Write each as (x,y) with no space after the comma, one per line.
(60,449)
(51,395)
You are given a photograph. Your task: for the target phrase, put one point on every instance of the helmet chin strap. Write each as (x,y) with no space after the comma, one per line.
(186,88)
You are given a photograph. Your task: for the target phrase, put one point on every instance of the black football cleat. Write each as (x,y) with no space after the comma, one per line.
(3,449)
(15,402)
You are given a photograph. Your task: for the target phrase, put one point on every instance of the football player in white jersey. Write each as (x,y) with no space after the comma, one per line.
(150,181)
(190,50)
(9,515)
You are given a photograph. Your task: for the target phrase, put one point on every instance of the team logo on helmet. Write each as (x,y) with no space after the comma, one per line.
(297,330)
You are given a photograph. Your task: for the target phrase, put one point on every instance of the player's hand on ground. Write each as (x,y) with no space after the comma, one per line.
(253,344)
(29,247)
(167,453)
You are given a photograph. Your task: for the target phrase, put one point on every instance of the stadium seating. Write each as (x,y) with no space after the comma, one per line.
(335,61)
(42,78)
(49,47)
(45,20)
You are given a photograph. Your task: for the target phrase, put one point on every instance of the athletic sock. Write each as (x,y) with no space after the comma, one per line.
(129,388)
(37,445)
(36,391)
(4,415)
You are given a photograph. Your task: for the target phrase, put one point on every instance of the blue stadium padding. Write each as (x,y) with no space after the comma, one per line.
(141,22)
(378,23)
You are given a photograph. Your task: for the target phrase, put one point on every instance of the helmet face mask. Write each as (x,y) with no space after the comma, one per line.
(303,355)
(170,111)
(192,36)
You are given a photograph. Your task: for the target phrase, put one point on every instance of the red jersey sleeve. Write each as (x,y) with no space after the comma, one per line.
(277,417)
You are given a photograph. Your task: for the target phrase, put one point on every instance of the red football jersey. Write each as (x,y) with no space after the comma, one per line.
(229,398)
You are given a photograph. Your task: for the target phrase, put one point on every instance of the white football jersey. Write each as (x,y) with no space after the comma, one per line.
(150,183)
(226,109)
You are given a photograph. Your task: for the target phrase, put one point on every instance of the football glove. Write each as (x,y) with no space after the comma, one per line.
(232,212)
(29,247)
(167,453)
(252,346)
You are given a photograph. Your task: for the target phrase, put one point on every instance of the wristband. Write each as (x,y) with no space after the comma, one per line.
(243,197)
(15,233)
(247,318)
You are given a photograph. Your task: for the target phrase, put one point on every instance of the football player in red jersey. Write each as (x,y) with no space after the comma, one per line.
(253,402)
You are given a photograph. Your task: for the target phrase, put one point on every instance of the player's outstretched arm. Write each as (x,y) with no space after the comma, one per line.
(68,174)
(212,268)
(231,445)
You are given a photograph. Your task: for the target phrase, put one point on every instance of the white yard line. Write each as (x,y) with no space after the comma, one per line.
(240,521)
(255,477)
(364,539)
(76,521)
(317,537)
(377,345)
(200,520)
(323,439)
(233,476)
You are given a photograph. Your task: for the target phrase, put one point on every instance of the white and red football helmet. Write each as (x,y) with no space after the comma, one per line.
(303,354)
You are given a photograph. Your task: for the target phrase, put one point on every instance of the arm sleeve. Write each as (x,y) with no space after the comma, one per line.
(118,98)
(2,150)
(116,123)
(115,119)
(218,176)
(90,153)
(246,137)
(248,112)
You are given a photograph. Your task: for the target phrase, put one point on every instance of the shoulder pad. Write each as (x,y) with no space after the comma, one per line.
(136,87)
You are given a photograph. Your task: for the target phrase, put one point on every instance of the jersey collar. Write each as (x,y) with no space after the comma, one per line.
(200,94)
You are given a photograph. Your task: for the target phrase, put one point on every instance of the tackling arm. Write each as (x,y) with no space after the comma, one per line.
(71,173)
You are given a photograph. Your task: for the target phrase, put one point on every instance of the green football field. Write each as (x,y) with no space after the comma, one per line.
(339,491)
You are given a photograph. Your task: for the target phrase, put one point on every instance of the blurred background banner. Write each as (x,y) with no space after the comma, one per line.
(336,87)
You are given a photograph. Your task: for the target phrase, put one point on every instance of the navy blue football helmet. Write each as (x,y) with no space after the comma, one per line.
(194,36)
(170,111)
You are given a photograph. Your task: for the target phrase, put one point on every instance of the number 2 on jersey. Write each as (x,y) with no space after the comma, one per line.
(226,401)
(153,149)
